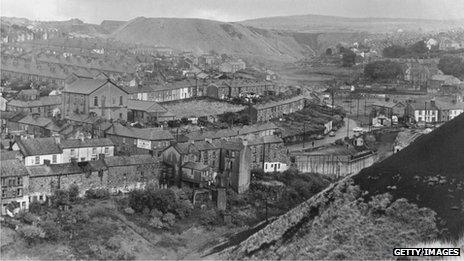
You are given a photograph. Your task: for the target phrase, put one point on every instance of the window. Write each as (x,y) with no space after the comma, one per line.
(40,197)
(94,150)
(73,151)
(124,140)
(120,100)
(19,192)
(83,159)
(107,150)
(20,181)
(54,158)
(95,101)
(37,160)
(120,115)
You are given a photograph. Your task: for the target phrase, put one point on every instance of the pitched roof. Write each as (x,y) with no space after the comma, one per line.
(84,85)
(66,168)
(387,104)
(87,143)
(12,167)
(229,145)
(53,100)
(195,166)
(146,106)
(130,160)
(39,146)
(281,102)
(265,140)
(145,133)
(446,105)
(186,147)
(35,121)
(9,154)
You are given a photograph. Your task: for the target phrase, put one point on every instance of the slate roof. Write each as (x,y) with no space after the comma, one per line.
(130,160)
(265,140)
(278,103)
(35,121)
(53,100)
(9,154)
(146,106)
(12,116)
(144,133)
(12,167)
(87,143)
(195,166)
(84,85)
(197,146)
(66,168)
(229,145)
(387,104)
(39,146)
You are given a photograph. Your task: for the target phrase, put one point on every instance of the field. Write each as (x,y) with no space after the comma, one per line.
(199,108)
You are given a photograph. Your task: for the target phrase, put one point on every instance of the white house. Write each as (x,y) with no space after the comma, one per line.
(86,149)
(36,151)
(423,111)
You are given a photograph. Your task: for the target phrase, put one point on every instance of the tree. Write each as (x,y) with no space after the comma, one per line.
(348,58)
(328,51)
(452,65)
(31,234)
(394,51)
(383,70)
(419,48)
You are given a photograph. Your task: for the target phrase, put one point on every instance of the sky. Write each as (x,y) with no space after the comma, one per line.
(94,11)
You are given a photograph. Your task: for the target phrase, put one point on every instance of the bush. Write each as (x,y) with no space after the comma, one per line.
(73,192)
(210,217)
(52,230)
(32,234)
(169,219)
(156,222)
(99,193)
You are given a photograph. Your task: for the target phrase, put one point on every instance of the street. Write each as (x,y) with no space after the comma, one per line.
(339,134)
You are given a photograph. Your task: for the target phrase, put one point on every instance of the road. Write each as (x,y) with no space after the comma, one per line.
(339,134)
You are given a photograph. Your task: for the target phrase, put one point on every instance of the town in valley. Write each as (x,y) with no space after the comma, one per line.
(289,137)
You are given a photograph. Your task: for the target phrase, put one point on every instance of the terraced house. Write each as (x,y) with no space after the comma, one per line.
(98,96)
(15,183)
(46,106)
(86,149)
(276,109)
(165,92)
(40,151)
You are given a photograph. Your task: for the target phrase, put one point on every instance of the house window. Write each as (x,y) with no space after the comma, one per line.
(94,150)
(40,197)
(73,151)
(82,159)
(124,140)
(19,192)
(54,158)
(37,160)
(20,181)
(107,150)
(95,101)
(120,100)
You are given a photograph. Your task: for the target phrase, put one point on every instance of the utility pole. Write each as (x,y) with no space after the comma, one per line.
(357,110)
(304,133)
(347,127)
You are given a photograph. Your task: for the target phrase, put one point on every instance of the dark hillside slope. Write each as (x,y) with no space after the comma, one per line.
(414,196)
(429,172)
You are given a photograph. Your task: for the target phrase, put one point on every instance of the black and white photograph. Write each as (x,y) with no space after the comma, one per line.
(232,130)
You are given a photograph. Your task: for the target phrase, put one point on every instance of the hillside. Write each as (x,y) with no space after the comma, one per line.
(322,23)
(414,196)
(203,36)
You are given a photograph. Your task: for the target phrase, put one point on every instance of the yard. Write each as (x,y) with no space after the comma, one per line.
(199,108)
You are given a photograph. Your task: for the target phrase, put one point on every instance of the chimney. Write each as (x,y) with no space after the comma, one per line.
(73,161)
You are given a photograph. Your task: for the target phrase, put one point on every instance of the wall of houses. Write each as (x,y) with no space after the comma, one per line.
(14,189)
(338,165)
(270,152)
(128,177)
(86,154)
(109,101)
(39,159)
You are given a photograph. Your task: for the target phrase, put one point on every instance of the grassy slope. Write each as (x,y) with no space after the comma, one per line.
(429,173)
(337,223)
